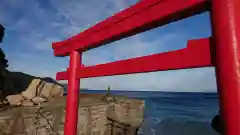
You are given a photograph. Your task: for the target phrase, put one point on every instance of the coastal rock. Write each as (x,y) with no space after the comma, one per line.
(38,91)
(98,117)
(15,99)
(31,91)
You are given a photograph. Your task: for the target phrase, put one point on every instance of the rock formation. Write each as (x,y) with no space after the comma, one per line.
(122,117)
(30,90)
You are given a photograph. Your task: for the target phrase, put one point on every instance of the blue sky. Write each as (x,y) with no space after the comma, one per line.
(31,27)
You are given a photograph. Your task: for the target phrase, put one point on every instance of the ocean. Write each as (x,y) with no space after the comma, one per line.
(174,113)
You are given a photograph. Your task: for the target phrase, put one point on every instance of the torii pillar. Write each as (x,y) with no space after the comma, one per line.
(226,52)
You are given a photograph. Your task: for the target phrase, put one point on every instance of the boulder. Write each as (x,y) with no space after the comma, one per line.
(27,88)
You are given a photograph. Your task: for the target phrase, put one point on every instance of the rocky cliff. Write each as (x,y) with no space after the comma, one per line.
(122,116)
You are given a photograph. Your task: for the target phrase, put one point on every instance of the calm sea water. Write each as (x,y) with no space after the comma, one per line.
(169,113)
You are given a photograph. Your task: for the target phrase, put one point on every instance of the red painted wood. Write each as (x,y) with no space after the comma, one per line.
(197,54)
(226,33)
(71,118)
(159,14)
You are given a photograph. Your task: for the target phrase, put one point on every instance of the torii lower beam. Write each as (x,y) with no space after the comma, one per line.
(197,54)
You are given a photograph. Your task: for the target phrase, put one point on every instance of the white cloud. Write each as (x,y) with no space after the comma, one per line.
(85,13)
(135,46)
(39,41)
(31,64)
(191,80)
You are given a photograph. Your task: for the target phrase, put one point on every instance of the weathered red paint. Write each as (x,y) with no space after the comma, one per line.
(197,54)
(71,118)
(138,19)
(226,35)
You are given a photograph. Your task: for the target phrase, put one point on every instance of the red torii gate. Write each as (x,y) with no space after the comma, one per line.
(220,51)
